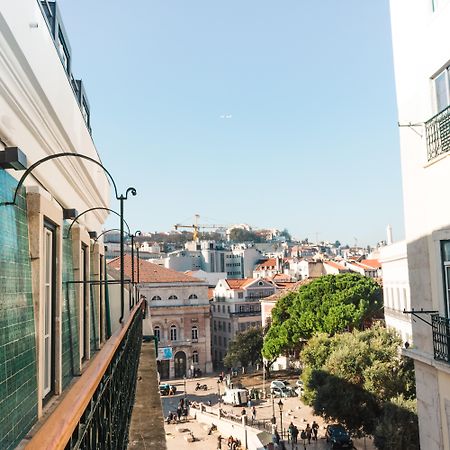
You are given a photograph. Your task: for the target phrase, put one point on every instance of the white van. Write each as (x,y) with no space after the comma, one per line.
(235,397)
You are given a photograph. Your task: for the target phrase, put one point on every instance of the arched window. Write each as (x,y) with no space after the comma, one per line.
(195,357)
(157,332)
(192,296)
(156,297)
(173,297)
(194,333)
(173,333)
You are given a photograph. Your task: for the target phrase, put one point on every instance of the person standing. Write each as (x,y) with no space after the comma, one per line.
(294,434)
(254,413)
(315,429)
(219,442)
(308,431)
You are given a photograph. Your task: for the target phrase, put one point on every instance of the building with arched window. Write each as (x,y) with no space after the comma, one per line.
(179,317)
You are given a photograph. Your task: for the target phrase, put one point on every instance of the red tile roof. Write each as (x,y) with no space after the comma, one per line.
(152,273)
(335,265)
(239,283)
(374,263)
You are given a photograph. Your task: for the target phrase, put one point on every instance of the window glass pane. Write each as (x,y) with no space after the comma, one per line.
(441,86)
(446,251)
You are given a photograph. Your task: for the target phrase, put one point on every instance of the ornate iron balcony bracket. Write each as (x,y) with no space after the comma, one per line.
(415,313)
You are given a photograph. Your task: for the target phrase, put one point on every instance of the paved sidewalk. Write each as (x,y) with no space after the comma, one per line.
(293,410)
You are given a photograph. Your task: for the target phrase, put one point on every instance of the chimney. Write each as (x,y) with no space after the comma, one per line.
(389,234)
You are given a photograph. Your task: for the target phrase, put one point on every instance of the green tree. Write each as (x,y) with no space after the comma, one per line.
(285,233)
(355,378)
(245,348)
(398,426)
(329,304)
(240,235)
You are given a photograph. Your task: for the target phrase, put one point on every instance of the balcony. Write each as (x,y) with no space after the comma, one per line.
(437,131)
(441,337)
(97,411)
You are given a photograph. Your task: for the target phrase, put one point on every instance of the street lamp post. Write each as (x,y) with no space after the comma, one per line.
(138,246)
(184,384)
(274,420)
(132,236)
(280,405)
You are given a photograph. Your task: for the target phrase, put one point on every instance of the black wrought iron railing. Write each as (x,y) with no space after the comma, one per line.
(437,131)
(441,337)
(96,412)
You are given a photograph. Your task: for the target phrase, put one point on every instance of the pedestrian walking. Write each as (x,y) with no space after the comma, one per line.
(254,413)
(308,431)
(315,429)
(294,434)
(219,442)
(179,412)
(291,432)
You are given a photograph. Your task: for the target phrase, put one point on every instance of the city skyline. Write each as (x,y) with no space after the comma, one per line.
(281,116)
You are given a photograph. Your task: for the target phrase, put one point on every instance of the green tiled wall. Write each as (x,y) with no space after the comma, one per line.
(70,338)
(18,389)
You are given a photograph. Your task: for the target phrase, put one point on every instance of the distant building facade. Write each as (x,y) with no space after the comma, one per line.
(235,308)
(179,315)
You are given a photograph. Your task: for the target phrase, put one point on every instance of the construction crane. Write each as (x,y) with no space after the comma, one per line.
(196,227)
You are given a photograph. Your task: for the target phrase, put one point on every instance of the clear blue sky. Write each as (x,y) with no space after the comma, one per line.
(312,141)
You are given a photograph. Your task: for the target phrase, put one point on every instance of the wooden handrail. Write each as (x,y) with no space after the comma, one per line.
(55,433)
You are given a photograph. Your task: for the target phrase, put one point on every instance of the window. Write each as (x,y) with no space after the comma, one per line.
(220,325)
(225,342)
(84,313)
(215,339)
(63,51)
(194,333)
(220,340)
(229,327)
(215,326)
(441,90)
(157,332)
(49,310)
(229,309)
(173,297)
(224,326)
(445,252)
(156,297)
(192,297)
(173,333)
(240,295)
(214,308)
(195,357)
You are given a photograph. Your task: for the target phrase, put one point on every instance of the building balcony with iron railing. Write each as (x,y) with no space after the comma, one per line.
(441,337)
(437,131)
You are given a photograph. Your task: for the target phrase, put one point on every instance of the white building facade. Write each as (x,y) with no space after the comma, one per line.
(420,35)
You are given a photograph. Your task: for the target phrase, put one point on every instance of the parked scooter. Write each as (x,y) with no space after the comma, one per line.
(201,387)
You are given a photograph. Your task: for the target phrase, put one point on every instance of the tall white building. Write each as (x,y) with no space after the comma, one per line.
(420,35)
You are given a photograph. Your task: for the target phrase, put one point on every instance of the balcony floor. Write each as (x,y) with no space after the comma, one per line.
(147,423)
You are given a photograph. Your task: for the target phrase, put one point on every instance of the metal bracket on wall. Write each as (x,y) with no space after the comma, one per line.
(415,313)
(411,126)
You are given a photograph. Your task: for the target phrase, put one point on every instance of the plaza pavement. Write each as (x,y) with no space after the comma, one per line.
(293,410)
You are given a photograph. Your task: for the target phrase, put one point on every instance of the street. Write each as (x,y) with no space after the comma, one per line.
(293,410)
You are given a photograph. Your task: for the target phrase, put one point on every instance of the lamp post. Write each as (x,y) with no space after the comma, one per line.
(184,383)
(138,246)
(15,158)
(132,236)
(280,405)
(218,392)
(274,420)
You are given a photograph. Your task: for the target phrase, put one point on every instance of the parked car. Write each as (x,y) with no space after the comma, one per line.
(166,389)
(281,392)
(299,388)
(338,436)
(278,384)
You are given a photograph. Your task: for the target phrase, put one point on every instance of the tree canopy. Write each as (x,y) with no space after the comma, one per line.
(361,380)
(329,304)
(240,235)
(245,348)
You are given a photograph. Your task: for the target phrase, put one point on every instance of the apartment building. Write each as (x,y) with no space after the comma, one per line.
(51,323)
(235,308)
(420,33)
